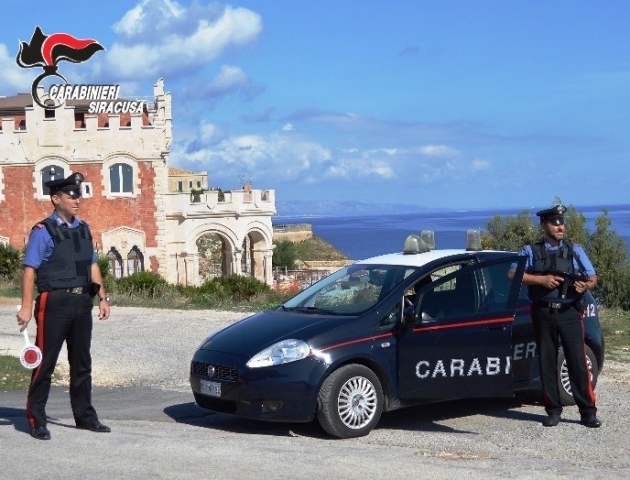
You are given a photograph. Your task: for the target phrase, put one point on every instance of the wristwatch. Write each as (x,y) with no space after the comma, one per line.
(103,299)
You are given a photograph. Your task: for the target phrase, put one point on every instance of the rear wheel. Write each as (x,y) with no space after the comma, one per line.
(566,397)
(350,402)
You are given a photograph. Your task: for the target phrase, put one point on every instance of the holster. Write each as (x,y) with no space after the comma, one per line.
(94,288)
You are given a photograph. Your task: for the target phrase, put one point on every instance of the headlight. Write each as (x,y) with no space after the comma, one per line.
(285,351)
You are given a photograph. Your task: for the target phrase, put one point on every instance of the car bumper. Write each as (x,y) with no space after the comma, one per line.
(280,393)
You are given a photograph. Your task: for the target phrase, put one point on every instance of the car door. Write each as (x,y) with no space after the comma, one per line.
(459,344)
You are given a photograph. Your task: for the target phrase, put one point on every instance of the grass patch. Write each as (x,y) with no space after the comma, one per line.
(13,376)
(616,328)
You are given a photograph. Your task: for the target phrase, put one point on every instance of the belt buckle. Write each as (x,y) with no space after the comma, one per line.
(554,305)
(77,290)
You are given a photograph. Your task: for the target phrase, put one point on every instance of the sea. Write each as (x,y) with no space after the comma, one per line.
(364,236)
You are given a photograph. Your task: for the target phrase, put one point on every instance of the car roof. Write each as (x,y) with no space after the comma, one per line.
(421,259)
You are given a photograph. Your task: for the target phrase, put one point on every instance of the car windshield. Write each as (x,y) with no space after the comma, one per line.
(351,290)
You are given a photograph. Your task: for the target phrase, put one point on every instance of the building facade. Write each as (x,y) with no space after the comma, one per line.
(136,219)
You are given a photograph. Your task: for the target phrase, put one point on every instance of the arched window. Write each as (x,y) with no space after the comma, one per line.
(51,173)
(135,261)
(115,263)
(121,178)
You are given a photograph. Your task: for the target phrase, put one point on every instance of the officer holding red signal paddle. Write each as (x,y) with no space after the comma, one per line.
(60,260)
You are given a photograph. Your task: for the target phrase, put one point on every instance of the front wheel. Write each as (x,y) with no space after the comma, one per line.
(350,402)
(566,396)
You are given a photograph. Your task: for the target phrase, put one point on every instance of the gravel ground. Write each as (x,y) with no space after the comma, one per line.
(469,439)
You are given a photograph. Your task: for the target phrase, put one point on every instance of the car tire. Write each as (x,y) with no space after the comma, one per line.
(566,397)
(350,402)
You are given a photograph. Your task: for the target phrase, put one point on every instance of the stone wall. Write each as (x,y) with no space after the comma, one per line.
(293,233)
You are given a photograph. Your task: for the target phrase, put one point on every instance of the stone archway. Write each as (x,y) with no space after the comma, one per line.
(212,248)
(245,243)
(254,253)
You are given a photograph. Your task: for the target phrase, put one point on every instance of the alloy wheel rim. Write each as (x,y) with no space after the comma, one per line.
(357,402)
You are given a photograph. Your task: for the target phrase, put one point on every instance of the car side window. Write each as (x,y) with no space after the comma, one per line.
(478,290)
(454,297)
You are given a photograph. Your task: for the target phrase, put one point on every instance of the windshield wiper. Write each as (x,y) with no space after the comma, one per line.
(313,310)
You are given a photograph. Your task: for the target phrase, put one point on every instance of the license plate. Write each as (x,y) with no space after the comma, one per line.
(212,389)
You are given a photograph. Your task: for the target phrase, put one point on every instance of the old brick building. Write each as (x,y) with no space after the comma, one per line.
(135,218)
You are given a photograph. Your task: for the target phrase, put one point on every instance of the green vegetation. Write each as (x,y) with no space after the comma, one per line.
(284,255)
(287,253)
(317,249)
(10,261)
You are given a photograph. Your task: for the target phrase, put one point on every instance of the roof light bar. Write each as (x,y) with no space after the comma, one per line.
(428,237)
(473,241)
(414,244)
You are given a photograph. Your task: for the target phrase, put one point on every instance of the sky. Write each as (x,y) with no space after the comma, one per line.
(440,104)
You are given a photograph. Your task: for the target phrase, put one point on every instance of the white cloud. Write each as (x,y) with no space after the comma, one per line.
(147,14)
(14,79)
(227,78)
(160,38)
(277,157)
(437,151)
(478,165)
(289,156)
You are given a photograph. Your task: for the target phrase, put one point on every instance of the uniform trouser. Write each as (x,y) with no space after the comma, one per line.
(63,316)
(565,324)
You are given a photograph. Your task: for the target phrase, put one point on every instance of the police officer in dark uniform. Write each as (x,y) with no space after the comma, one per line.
(60,260)
(557,274)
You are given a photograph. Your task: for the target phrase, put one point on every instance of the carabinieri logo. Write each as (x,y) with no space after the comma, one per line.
(46,51)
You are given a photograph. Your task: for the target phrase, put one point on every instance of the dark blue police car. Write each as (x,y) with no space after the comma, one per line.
(384,333)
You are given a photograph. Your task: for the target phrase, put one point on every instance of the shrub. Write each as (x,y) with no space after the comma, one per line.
(108,278)
(238,287)
(143,283)
(10,261)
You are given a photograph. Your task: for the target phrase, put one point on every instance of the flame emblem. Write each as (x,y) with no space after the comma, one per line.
(46,51)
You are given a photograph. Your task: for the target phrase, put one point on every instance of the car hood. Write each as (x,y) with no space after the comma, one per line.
(253,334)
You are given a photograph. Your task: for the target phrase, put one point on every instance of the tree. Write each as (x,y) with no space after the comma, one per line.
(608,253)
(510,233)
(284,255)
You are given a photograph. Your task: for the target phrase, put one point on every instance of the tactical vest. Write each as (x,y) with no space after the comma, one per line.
(70,264)
(561,260)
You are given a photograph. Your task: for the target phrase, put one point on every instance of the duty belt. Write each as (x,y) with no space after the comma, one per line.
(75,290)
(553,304)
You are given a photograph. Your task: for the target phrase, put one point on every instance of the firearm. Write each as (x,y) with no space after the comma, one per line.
(575,277)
